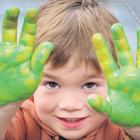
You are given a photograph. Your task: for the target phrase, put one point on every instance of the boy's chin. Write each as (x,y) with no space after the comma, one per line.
(72,135)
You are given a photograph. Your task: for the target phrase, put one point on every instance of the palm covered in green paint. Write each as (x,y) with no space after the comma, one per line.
(123,103)
(20,64)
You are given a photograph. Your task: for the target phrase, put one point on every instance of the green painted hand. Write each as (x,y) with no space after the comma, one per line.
(21,65)
(123,103)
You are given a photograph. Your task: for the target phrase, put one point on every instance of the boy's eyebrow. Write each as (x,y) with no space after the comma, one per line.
(50,76)
(84,77)
(93,76)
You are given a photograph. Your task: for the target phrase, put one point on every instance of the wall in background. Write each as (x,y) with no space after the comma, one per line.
(24,5)
(128,13)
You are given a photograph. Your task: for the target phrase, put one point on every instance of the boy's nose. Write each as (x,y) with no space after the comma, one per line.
(71,102)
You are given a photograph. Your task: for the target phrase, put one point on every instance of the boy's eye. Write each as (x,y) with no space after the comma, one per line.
(51,84)
(89,85)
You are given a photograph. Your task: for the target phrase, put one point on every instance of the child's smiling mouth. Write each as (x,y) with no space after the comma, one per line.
(72,122)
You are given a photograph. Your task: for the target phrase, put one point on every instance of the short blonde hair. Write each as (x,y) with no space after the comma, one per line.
(69,25)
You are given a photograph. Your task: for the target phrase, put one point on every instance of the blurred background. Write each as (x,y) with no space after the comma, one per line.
(127,12)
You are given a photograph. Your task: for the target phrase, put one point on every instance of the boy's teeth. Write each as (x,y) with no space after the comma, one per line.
(72,119)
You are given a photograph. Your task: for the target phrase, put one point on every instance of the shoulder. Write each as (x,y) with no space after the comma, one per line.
(17,124)
(114,129)
(24,124)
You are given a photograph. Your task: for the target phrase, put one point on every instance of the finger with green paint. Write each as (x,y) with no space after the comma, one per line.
(21,65)
(123,103)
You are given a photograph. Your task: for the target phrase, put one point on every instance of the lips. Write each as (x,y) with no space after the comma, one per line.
(72,122)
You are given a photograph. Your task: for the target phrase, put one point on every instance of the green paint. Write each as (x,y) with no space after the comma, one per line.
(21,66)
(9,27)
(121,45)
(27,36)
(102,53)
(123,104)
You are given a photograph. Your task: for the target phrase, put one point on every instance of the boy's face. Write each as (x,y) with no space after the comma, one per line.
(60,99)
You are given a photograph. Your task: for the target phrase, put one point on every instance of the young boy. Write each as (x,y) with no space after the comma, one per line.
(58,108)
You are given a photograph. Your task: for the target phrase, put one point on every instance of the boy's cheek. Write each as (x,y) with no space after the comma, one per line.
(44,102)
(102,91)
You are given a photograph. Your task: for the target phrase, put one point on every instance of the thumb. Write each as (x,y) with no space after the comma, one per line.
(99,104)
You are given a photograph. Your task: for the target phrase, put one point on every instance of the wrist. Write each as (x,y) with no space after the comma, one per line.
(10,108)
(7,112)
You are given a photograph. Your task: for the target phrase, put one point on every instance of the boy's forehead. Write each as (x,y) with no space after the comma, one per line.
(70,67)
